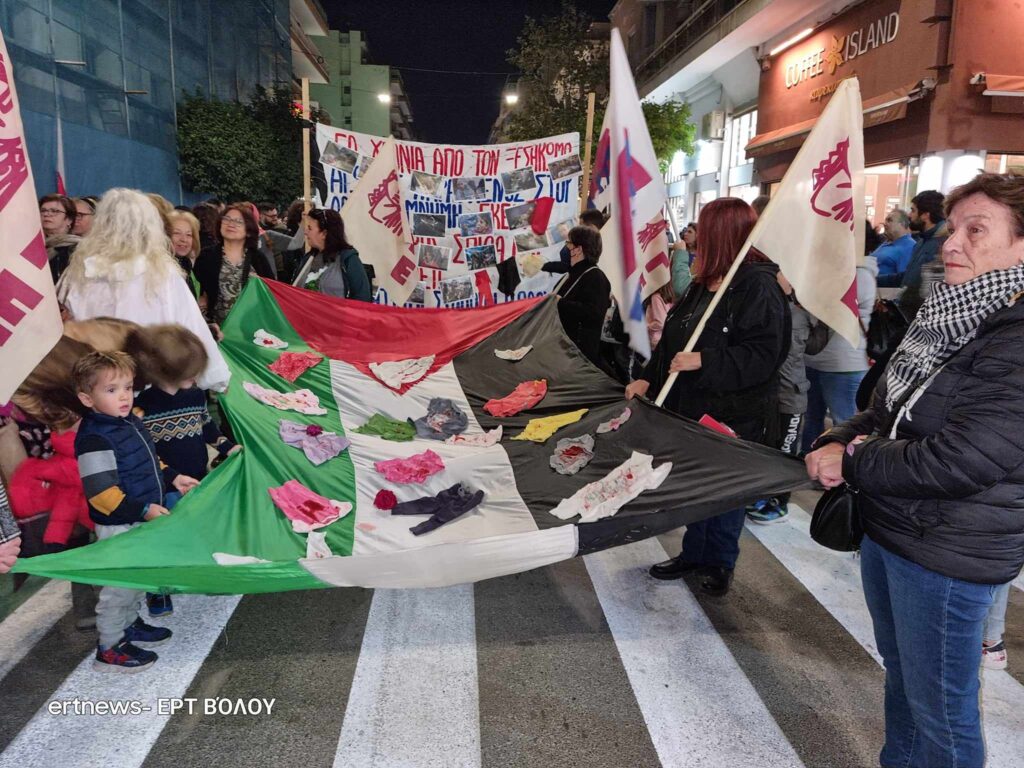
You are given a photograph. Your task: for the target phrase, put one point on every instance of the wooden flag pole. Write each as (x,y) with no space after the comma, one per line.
(585,189)
(307,182)
(704,319)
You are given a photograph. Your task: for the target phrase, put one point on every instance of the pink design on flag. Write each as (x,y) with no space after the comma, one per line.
(414,469)
(307,510)
(385,206)
(833,182)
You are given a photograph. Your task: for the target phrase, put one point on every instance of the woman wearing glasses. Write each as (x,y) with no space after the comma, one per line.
(224,268)
(57,213)
(585,295)
(336,263)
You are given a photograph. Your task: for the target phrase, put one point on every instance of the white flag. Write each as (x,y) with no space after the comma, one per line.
(373,225)
(813,228)
(628,181)
(29,316)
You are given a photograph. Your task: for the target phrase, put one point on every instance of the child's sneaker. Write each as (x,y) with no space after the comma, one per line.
(123,657)
(993,656)
(140,633)
(160,606)
(767,511)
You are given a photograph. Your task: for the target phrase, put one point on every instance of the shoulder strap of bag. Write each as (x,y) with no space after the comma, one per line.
(578,279)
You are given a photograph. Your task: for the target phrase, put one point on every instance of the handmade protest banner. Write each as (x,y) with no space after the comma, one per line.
(500,212)
(30,321)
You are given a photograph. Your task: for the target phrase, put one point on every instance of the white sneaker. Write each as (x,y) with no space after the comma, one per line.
(994,656)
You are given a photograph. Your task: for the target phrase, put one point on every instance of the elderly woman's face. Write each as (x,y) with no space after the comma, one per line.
(982,239)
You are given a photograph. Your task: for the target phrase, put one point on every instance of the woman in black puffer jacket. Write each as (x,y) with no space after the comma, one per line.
(942,493)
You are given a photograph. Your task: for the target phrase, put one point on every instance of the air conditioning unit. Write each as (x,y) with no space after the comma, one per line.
(712,125)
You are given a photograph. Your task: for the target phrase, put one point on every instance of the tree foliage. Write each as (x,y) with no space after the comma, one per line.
(241,151)
(560,65)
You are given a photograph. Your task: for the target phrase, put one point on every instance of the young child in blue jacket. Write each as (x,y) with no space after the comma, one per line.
(125,485)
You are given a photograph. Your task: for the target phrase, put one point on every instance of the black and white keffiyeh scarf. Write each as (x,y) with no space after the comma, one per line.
(948,319)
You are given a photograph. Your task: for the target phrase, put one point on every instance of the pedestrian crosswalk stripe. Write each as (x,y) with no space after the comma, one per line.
(33,619)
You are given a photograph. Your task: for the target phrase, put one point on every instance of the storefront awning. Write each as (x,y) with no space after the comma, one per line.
(1007,91)
(880,109)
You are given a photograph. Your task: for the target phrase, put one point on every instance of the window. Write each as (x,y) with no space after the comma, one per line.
(742,128)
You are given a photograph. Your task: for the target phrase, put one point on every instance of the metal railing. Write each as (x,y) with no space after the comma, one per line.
(702,20)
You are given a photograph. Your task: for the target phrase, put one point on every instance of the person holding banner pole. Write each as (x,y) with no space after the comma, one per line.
(737,322)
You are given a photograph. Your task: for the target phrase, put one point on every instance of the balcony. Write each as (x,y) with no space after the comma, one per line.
(310,17)
(306,58)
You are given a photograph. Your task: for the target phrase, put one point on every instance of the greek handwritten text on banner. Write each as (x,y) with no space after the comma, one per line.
(29,318)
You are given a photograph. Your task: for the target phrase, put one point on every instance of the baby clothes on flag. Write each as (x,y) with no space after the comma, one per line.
(613,424)
(605,497)
(444,419)
(443,508)
(224,558)
(263,339)
(291,365)
(395,373)
(388,429)
(539,430)
(301,400)
(318,445)
(483,440)
(414,469)
(515,355)
(524,396)
(307,510)
(572,454)
(316,546)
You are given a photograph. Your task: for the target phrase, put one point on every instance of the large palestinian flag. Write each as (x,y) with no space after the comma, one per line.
(287,513)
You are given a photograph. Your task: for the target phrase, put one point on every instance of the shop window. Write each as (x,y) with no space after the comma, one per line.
(742,129)
(1004,163)
(885,188)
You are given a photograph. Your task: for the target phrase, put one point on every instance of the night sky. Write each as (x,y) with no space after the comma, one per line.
(454,35)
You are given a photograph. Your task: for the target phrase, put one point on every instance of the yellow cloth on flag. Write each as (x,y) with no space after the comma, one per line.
(539,430)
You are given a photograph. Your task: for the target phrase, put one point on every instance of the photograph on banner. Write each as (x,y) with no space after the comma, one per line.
(429,224)
(427,184)
(433,256)
(459,288)
(519,180)
(481,257)
(342,158)
(520,216)
(531,241)
(474,224)
(565,167)
(418,294)
(469,189)
(560,232)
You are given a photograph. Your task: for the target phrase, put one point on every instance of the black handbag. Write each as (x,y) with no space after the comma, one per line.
(836,522)
(886,329)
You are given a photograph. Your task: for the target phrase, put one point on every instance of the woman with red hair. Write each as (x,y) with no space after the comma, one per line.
(732,373)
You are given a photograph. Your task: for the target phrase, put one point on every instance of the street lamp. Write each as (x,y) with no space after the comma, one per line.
(384,98)
(511,98)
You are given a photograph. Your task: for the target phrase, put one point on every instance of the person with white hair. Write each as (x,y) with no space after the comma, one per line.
(125,268)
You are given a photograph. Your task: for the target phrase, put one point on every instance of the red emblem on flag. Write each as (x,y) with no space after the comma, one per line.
(385,206)
(651,231)
(833,186)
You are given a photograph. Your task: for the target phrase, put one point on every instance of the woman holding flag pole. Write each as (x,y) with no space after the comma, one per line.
(731,373)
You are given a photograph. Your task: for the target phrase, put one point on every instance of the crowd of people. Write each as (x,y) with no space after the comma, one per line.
(934,452)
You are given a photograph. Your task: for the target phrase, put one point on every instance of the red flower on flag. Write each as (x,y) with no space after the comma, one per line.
(833,186)
(385,206)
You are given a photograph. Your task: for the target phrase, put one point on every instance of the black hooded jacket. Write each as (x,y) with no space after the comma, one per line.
(742,347)
(948,492)
(585,298)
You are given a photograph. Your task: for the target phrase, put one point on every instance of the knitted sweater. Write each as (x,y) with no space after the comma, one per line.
(181,428)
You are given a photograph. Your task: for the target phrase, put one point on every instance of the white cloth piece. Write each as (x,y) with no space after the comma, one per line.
(513,354)
(316,546)
(223,558)
(134,299)
(605,497)
(264,339)
(395,373)
(301,400)
(481,440)
(612,424)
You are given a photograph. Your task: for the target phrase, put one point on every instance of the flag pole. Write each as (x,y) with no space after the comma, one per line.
(307,181)
(707,313)
(585,188)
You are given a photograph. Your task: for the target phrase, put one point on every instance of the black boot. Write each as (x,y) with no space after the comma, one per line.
(716,581)
(675,568)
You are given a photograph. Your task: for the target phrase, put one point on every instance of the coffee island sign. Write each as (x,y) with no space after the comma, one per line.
(841,50)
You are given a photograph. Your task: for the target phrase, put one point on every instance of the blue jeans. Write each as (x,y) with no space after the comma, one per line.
(928,631)
(832,392)
(995,622)
(715,541)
